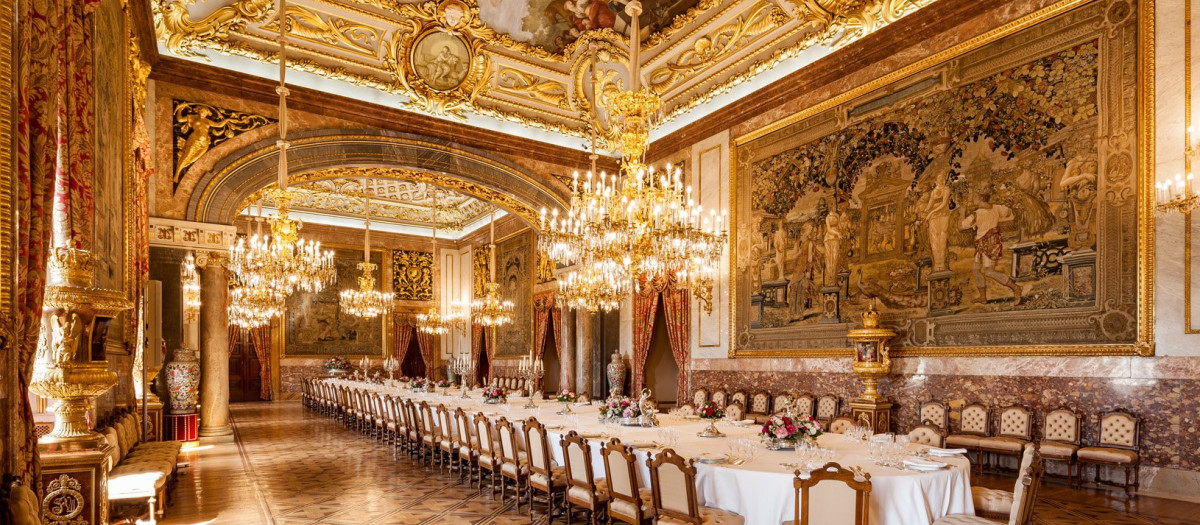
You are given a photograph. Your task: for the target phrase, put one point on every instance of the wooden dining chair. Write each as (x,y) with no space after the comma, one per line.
(585,490)
(782,402)
(719,397)
(1014,429)
(514,464)
(739,397)
(485,443)
(935,413)
(804,405)
(447,448)
(673,493)
(1062,435)
(1117,445)
(699,397)
(841,424)
(926,434)
(544,477)
(468,455)
(759,407)
(1005,508)
(827,408)
(627,502)
(844,496)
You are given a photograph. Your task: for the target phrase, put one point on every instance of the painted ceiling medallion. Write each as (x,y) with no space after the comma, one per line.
(436,56)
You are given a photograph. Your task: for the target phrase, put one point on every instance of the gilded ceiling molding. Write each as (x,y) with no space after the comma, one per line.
(325,28)
(225,190)
(532,86)
(718,45)
(181,34)
(448,82)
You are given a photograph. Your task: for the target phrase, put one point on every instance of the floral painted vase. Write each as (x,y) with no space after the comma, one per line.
(183,381)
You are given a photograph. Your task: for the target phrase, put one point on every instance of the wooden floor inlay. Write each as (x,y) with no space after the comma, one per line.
(290,466)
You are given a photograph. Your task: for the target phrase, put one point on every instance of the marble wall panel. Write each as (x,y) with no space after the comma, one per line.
(1165,392)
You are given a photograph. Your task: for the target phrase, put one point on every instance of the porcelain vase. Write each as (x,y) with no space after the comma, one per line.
(183,381)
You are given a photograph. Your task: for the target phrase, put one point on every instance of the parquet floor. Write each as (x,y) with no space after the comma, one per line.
(290,466)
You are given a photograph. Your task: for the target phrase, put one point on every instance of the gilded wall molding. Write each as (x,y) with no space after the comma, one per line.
(412,275)
(197,128)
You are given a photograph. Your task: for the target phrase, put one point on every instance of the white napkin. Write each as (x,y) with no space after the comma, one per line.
(947,451)
(923,464)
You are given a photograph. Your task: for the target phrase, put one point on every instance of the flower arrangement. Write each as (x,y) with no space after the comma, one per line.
(791,428)
(338,363)
(418,383)
(495,394)
(405,379)
(566,396)
(622,407)
(443,383)
(710,410)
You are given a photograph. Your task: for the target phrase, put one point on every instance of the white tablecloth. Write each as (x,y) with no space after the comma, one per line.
(761,490)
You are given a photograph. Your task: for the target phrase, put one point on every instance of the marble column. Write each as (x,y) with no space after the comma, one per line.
(566,349)
(214,354)
(585,341)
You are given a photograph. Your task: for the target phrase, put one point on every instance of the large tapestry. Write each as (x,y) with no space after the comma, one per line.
(986,203)
(316,326)
(514,271)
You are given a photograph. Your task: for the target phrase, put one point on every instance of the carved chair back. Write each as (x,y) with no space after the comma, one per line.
(673,485)
(844,494)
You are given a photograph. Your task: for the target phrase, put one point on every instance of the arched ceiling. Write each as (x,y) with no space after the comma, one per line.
(528,62)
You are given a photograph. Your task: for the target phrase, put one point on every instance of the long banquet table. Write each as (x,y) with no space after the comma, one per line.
(759,490)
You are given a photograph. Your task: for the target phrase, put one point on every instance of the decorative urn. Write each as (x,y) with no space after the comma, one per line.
(616,375)
(183,381)
(871,361)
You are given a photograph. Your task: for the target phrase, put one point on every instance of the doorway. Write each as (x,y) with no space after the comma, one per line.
(483,371)
(662,372)
(245,371)
(412,365)
(550,359)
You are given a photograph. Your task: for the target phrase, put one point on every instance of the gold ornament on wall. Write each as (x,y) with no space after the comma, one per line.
(412,275)
(436,56)
(479,270)
(200,127)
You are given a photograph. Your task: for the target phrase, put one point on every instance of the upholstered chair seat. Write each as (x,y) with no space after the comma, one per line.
(1111,455)
(709,516)
(557,474)
(1006,444)
(926,434)
(735,411)
(992,501)
(841,425)
(626,508)
(963,441)
(583,496)
(510,469)
(1052,449)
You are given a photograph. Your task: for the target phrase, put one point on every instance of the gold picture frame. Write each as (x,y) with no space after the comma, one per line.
(1142,343)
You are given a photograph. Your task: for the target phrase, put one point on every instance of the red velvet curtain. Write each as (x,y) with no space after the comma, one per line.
(645,305)
(403,327)
(427,344)
(677,312)
(260,339)
(52,142)
(543,303)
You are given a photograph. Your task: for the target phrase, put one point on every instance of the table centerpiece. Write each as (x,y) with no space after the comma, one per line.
(710,412)
(783,432)
(566,397)
(418,384)
(338,366)
(445,385)
(494,394)
(624,409)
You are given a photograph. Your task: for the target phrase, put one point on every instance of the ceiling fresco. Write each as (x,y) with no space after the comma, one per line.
(542,64)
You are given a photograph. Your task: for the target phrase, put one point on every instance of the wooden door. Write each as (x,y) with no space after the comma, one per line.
(245,382)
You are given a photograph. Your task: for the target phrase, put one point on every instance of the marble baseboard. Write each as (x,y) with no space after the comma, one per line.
(1168,405)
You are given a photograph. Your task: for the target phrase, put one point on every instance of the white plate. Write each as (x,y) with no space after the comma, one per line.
(710,459)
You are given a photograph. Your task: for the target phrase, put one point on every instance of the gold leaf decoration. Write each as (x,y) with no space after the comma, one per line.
(200,127)
(412,275)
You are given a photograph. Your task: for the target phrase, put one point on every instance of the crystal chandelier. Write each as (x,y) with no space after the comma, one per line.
(636,225)
(366,301)
(432,321)
(491,309)
(252,307)
(275,266)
